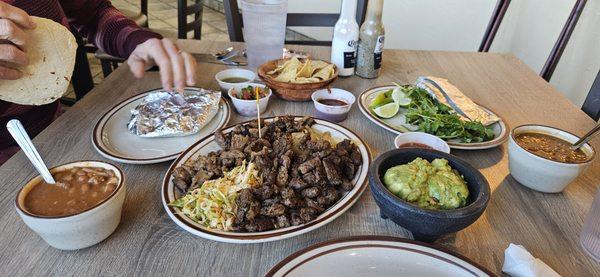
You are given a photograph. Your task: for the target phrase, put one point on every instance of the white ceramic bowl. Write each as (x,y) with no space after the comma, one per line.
(333,113)
(80,230)
(234,72)
(248,107)
(422,138)
(539,173)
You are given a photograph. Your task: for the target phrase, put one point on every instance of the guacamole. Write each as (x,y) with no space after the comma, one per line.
(432,185)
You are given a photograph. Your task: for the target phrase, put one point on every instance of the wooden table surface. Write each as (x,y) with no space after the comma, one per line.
(148,242)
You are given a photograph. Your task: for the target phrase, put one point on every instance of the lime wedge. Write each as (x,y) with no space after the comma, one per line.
(388,93)
(401,98)
(379,100)
(387,111)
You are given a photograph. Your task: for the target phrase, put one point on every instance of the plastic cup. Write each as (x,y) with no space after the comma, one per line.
(590,235)
(264,30)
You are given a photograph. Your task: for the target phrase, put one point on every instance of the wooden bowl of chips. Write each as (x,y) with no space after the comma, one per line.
(296,79)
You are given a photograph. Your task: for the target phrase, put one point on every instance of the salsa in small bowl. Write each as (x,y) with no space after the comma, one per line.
(244,99)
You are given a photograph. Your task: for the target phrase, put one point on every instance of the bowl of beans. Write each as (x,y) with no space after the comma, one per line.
(81,209)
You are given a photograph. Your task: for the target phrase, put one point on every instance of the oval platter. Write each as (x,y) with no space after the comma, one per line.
(375,256)
(208,144)
(112,139)
(395,123)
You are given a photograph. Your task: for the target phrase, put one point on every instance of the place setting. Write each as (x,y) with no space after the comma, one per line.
(305,160)
(153,127)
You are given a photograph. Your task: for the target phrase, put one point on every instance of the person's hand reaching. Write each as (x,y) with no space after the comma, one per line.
(13,39)
(177,68)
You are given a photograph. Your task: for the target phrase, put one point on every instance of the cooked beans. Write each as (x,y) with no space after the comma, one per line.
(77,189)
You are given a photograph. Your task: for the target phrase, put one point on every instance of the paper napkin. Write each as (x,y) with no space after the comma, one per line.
(518,262)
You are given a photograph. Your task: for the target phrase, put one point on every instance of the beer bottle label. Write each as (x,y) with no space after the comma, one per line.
(349,59)
(378,52)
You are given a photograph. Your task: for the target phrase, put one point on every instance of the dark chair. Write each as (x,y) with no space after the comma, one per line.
(494,25)
(235,22)
(110,63)
(183,10)
(562,41)
(591,106)
(81,79)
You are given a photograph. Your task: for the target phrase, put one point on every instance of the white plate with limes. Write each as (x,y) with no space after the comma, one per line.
(390,114)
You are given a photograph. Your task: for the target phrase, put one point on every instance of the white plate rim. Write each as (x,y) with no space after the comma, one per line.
(499,140)
(101,148)
(278,234)
(314,251)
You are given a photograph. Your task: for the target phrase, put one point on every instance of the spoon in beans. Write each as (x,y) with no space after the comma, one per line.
(15,128)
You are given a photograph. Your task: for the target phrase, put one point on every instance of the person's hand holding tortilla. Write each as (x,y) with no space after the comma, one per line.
(13,39)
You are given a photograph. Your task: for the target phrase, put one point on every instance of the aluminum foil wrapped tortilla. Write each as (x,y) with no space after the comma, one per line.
(450,95)
(169,114)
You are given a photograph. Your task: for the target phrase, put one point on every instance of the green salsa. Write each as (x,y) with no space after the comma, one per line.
(432,185)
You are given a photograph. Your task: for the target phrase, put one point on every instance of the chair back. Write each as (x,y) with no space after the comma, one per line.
(183,10)
(235,22)
(562,41)
(494,25)
(591,106)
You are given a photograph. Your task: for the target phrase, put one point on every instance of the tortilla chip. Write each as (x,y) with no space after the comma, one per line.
(51,52)
(280,68)
(303,80)
(288,74)
(319,64)
(306,70)
(325,73)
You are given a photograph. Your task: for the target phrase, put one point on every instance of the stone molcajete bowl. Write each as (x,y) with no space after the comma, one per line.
(425,224)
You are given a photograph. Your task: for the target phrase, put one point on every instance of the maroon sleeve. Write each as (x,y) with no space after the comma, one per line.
(105,26)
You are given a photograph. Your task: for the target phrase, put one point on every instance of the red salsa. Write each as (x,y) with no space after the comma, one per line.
(414,145)
(332,102)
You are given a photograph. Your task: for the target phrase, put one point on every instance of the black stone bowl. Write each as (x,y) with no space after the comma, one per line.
(425,224)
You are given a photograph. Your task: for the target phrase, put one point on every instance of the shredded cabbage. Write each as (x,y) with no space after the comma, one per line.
(213,203)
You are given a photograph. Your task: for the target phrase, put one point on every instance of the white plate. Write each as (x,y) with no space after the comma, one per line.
(395,123)
(208,145)
(375,256)
(112,139)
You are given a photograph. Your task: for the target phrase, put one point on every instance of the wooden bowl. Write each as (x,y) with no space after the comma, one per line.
(291,91)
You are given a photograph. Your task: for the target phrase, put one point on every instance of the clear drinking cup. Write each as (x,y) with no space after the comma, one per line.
(264,29)
(590,235)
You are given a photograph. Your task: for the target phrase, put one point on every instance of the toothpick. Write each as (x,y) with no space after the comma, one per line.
(257,92)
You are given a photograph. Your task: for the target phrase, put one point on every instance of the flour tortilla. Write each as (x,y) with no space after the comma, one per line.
(51,49)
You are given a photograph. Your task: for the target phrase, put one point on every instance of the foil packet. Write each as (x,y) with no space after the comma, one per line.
(169,114)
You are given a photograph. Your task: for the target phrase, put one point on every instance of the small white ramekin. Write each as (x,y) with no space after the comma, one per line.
(234,72)
(333,113)
(422,138)
(542,174)
(80,230)
(247,108)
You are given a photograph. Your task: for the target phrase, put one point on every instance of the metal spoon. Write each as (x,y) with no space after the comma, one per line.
(229,55)
(17,131)
(223,52)
(583,140)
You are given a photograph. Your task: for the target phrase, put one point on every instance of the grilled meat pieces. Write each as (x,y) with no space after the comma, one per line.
(302,176)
